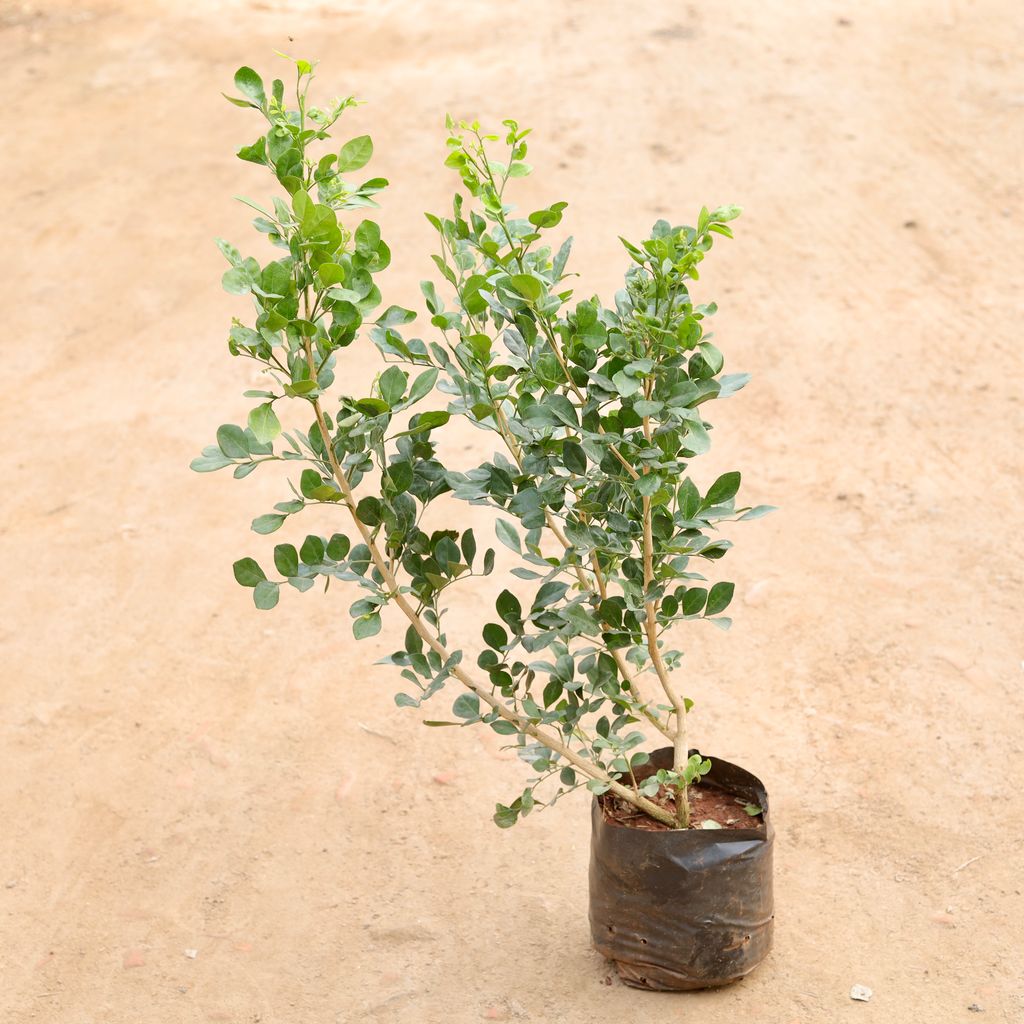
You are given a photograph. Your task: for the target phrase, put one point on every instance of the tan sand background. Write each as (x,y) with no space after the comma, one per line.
(181,772)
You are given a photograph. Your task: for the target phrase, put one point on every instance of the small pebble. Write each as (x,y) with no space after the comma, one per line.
(975,1008)
(861,993)
(191,953)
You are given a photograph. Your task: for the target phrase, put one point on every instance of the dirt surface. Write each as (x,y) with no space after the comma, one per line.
(204,819)
(706,804)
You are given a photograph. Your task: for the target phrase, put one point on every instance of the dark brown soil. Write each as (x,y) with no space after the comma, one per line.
(707,803)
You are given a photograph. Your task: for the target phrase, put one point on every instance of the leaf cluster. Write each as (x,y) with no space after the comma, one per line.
(596,411)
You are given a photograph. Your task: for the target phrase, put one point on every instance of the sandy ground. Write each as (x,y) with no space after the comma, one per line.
(181,772)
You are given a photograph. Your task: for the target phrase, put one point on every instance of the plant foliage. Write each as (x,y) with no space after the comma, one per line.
(596,411)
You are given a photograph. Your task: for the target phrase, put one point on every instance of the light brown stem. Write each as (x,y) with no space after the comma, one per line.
(679,743)
(506,433)
(548,740)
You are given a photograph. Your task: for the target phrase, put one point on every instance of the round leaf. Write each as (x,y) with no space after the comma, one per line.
(266,595)
(263,422)
(366,625)
(248,572)
(467,706)
(231,441)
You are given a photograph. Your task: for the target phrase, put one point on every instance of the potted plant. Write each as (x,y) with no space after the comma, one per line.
(595,412)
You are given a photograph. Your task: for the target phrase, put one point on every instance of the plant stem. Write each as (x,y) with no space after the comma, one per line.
(523,724)
(513,446)
(680,753)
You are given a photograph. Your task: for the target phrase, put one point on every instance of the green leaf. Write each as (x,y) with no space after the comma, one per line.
(229,252)
(247,572)
(531,288)
(263,422)
(468,545)
(231,441)
(434,304)
(548,218)
(401,476)
(266,594)
(367,238)
(643,408)
(757,511)
(549,592)
(697,440)
(427,421)
(712,356)
(369,510)
(689,498)
(509,609)
(249,84)
(286,558)
(693,600)
(331,274)
(731,383)
(753,809)
(563,409)
(354,154)
(423,385)
(574,458)
(256,154)
(268,524)
(237,281)
(392,385)
(552,691)
(724,213)
(309,482)
(495,636)
(626,385)
(505,817)
(719,598)
(312,550)
(648,484)
(724,488)
(396,316)
(366,625)
(508,535)
(209,463)
(337,547)
(467,706)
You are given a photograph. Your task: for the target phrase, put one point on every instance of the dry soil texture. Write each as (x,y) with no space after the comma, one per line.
(182,774)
